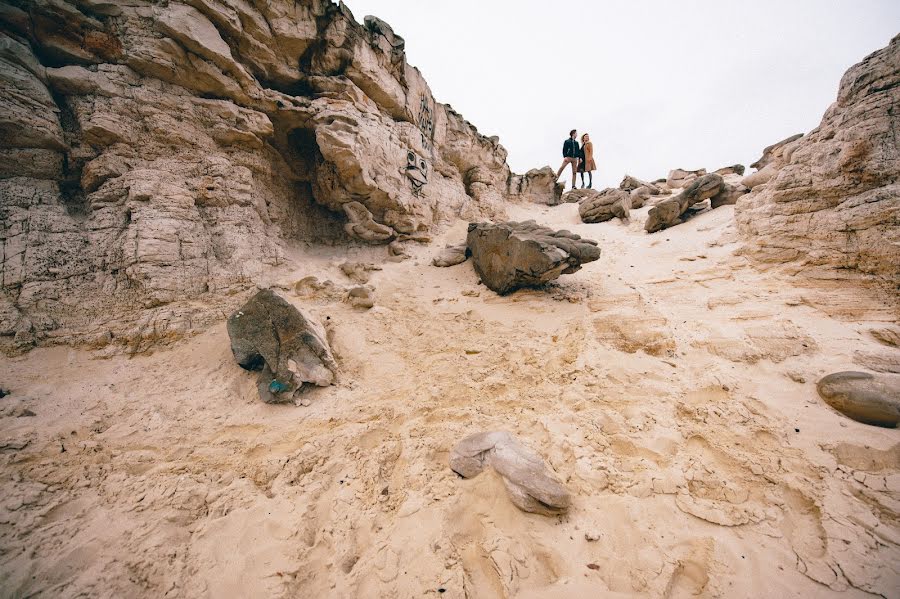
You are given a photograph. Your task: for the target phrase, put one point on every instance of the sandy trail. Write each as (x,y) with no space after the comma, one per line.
(670,385)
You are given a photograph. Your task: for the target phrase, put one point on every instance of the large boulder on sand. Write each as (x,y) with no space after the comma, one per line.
(599,206)
(831,201)
(511,255)
(531,484)
(864,397)
(667,213)
(288,346)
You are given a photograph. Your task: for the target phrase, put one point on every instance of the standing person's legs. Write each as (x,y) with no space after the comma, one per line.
(562,168)
(590,178)
(574,170)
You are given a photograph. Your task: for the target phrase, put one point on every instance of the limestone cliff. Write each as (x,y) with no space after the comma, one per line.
(156,158)
(829,202)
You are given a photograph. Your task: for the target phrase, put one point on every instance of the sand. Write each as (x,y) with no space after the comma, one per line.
(670,385)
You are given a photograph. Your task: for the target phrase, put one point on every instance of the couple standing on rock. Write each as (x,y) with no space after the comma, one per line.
(580,157)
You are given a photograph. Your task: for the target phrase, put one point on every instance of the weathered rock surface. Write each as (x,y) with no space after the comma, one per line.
(531,484)
(630,183)
(361,297)
(831,199)
(667,213)
(451,256)
(599,206)
(864,397)
(511,255)
(735,169)
(680,177)
(728,195)
(287,346)
(156,159)
(537,185)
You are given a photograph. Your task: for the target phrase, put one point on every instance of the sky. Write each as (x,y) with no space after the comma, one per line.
(658,84)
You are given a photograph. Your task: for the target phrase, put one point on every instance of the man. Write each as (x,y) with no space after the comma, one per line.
(570,151)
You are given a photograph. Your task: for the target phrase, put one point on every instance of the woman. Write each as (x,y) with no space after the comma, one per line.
(587,163)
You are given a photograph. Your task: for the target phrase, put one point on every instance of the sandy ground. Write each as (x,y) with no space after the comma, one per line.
(670,385)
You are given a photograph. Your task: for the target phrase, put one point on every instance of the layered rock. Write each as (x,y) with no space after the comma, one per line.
(735,169)
(537,185)
(712,187)
(599,206)
(831,205)
(508,256)
(680,177)
(157,159)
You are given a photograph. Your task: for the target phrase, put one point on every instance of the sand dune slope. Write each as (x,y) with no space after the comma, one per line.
(670,385)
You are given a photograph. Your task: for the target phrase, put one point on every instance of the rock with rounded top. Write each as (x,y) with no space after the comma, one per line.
(864,397)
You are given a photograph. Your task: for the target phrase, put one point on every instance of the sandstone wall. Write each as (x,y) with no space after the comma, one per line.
(829,202)
(155,158)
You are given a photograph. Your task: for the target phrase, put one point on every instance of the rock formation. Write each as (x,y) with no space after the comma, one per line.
(511,255)
(679,177)
(668,212)
(599,206)
(831,199)
(286,345)
(531,485)
(630,183)
(735,169)
(864,397)
(156,159)
(451,256)
(773,157)
(537,185)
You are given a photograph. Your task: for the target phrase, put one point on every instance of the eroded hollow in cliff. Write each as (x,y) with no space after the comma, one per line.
(309,220)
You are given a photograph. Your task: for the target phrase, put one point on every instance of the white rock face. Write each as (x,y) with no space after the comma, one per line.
(156,160)
(830,200)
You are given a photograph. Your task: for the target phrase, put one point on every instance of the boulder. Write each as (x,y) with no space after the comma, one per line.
(640,195)
(864,397)
(599,206)
(735,169)
(511,255)
(667,213)
(451,256)
(830,203)
(286,345)
(362,296)
(531,485)
(630,183)
(679,177)
(728,195)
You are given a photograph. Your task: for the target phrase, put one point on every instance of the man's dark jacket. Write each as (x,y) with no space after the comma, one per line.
(571,148)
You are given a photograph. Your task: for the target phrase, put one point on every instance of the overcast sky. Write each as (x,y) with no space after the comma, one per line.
(658,84)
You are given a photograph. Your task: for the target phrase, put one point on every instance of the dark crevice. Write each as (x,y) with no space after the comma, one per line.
(73,197)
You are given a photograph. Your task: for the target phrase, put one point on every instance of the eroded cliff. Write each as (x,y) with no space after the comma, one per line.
(157,159)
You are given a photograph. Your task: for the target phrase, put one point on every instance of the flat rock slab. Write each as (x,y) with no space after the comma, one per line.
(288,346)
(531,485)
(511,255)
(864,397)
